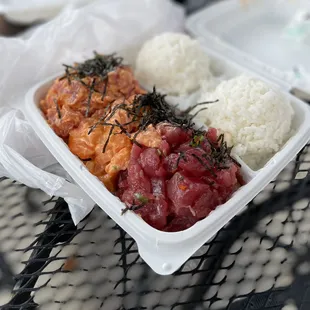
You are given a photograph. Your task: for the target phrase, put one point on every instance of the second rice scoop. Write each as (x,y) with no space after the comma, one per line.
(174,63)
(257,117)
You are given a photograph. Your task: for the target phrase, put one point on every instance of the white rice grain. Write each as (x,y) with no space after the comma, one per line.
(258,117)
(174,63)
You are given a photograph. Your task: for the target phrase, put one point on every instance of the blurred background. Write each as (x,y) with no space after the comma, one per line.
(17,16)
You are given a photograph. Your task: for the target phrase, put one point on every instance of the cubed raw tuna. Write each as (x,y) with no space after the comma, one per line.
(179,183)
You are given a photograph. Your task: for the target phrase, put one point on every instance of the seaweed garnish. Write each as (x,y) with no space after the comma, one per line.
(181,156)
(152,109)
(123,130)
(132,208)
(108,139)
(100,65)
(224,151)
(92,128)
(57,108)
(108,115)
(204,164)
(192,108)
(87,159)
(220,153)
(67,74)
(105,87)
(91,90)
(98,68)
(147,109)
(197,112)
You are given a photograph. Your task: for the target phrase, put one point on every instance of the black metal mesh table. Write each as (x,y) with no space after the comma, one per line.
(260,260)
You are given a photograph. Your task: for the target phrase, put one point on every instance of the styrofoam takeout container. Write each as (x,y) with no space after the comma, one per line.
(254,36)
(165,252)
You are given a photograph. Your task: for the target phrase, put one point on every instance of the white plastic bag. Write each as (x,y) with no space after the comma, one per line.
(104,26)
(27,12)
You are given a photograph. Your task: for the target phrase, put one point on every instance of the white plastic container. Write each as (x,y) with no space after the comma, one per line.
(165,252)
(255,37)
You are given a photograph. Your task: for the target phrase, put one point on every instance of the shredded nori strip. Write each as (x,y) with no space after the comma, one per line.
(105,88)
(222,154)
(181,156)
(91,90)
(67,74)
(87,159)
(190,109)
(204,164)
(194,115)
(123,130)
(92,128)
(132,208)
(57,108)
(108,139)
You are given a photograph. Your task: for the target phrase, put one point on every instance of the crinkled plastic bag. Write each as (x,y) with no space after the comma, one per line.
(105,26)
(30,11)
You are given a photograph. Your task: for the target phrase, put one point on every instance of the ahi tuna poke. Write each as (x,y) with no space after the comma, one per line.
(144,150)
